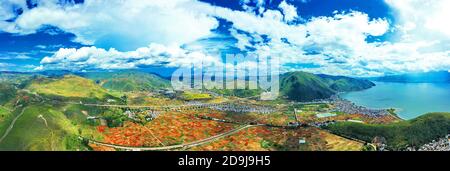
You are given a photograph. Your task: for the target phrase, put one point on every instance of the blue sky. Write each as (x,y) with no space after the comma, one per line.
(351,37)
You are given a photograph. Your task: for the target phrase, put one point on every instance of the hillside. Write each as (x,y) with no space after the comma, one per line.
(399,135)
(427,77)
(7,92)
(343,84)
(302,86)
(128,80)
(68,86)
(40,128)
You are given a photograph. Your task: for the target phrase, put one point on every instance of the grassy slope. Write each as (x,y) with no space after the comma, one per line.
(414,132)
(302,86)
(342,84)
(31,133)
(65,123)
(129,80)
(69,86)
(4,113)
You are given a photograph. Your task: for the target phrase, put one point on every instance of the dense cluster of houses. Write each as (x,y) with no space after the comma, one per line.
(442,144)
(349,107)
(233,107)
(239,108)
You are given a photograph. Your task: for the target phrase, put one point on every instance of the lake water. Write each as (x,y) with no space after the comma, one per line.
(410,99)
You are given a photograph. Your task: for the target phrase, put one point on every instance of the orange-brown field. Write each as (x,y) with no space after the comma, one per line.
(168,129)
(276,139)
(177,128)
(278,118)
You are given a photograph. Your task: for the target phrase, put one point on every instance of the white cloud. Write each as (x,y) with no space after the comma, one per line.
(15,56)
(116,22)
(98,58)
(289,11)
(341,37)
(422,17)
(253,5)
(337,44)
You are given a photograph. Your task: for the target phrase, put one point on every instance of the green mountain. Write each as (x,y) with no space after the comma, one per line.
(343,84)
(68,86)
(38,123)
(39,127)
(302,86)
(128,80)
(412,133)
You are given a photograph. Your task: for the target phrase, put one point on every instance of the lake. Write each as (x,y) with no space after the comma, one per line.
(409,99)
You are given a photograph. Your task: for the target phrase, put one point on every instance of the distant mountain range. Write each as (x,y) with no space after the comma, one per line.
(427,77)
(297,86)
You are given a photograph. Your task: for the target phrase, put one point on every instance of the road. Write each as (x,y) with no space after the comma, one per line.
(167,106)
(11,126)
(186,145)
(137,106)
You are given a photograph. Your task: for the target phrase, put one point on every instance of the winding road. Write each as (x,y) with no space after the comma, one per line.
(11,126)
(186,145)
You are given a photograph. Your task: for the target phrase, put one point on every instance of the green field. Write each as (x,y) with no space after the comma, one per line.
(4,112)
(195,96)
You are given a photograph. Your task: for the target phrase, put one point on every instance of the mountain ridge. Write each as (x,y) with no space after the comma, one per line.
(303,86)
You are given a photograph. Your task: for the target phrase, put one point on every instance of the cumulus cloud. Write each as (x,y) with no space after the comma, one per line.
(336,44)
(132,23)
(289,11)
(98,58)
(339,45)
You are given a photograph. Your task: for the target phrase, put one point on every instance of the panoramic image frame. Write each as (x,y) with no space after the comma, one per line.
(224,75)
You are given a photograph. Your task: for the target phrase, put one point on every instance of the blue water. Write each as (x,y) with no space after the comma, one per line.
(409,99)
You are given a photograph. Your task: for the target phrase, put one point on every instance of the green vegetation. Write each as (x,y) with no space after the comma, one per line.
(114,119)
(302,86)
(69,86)
(41,128)
(128,81)
(8,92)
(343,84)
(399,135)
(195,96)
(243,93)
